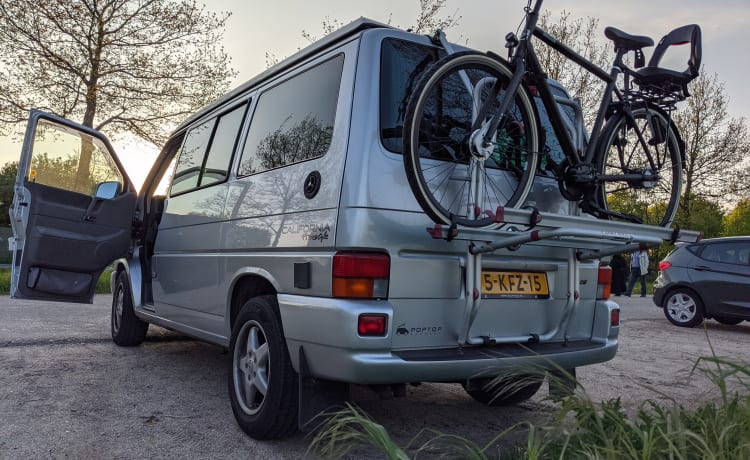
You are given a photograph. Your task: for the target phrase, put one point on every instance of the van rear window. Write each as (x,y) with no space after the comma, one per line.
(401,65)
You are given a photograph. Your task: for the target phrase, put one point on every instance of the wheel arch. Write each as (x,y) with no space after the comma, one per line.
(247,283)
(134,279)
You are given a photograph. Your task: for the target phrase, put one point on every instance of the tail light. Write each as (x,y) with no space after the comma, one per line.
(614,317)
(372,325)
(361,275)
(663,265)
(604,283)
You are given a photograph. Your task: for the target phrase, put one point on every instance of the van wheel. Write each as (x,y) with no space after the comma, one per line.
(504,391)
(127,329)
(683,307)
(262,381)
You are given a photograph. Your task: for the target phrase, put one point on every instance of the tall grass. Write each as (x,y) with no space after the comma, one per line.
(102,285)
(583,428)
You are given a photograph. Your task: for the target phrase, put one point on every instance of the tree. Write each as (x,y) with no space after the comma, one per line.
(136,66)
(7,180)
(715,144)
(429,20)
(737,222)
(704,214)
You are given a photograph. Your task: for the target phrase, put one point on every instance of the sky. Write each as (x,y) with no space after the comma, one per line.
(260,26)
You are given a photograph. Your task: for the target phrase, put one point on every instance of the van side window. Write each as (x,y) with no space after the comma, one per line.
(189,163)
(207,152)
(293,121)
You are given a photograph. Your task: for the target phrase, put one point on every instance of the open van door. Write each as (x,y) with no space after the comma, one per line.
(72,211)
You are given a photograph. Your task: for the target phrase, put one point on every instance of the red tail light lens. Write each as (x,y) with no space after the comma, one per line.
(361,275)
(663,265)
(604,283)
(614,317)
(372,325)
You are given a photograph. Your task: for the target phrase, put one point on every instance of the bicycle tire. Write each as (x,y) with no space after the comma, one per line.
(620,152)
(437,155)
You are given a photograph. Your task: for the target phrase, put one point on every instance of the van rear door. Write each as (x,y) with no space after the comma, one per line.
(72,211)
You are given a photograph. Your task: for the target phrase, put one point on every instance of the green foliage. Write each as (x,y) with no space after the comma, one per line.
(102,285)
(737,222)
(351,428)
(7,180)
(627,201)
(583,429)
(701,214)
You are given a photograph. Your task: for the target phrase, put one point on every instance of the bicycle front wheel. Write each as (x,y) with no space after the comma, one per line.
(643,151)
(454,178)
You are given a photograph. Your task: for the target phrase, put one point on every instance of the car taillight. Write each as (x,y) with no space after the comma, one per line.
(361,275)
(372,325)
(604,283)
(614,317)
(663,265)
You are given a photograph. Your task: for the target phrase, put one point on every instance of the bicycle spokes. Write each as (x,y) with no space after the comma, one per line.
(641,167)
(461,170)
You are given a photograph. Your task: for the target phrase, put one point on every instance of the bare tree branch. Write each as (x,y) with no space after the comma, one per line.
(111,63)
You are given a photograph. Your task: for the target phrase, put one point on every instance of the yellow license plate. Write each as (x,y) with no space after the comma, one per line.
(516,285)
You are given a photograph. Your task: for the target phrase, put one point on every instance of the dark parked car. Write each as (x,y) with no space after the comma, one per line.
(709,279)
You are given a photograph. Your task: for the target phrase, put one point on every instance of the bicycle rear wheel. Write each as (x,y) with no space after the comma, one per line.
(654,197)
(451,179)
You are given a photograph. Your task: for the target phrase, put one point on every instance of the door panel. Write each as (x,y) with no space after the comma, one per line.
(64,234)
(721,275)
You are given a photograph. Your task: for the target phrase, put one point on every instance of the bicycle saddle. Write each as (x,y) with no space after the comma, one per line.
(655,75)
(626,41)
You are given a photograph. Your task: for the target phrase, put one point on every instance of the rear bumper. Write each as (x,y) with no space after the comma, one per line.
(452,364)
(326,330)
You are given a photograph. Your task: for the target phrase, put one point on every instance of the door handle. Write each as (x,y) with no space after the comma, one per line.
(93,209)
(701,268)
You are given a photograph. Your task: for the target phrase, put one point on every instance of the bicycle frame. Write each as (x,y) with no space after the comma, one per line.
(525,61)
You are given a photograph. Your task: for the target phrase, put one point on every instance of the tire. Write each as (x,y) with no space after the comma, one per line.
(728,321)
(620,152)
(262,382)
(127,329)
(683,308)
(437,154)
(504,391)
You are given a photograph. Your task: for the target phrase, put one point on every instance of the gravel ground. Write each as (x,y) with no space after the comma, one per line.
(66,391)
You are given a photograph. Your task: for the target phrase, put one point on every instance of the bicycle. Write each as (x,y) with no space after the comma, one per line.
(472,134)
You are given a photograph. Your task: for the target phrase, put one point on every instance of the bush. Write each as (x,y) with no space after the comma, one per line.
(583,429)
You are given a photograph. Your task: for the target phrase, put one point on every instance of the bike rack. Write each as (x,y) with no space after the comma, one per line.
(586,238)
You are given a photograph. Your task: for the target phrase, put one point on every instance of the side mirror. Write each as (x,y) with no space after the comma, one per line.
(108,190)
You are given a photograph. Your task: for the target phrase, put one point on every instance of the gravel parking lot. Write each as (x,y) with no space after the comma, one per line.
(66,391)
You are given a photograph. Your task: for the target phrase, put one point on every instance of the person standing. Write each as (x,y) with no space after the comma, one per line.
(619,274)
(638,270)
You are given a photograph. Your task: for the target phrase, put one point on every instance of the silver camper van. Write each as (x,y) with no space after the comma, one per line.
(278,222)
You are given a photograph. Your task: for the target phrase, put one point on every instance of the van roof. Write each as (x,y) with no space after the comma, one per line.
(341,34)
